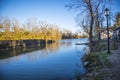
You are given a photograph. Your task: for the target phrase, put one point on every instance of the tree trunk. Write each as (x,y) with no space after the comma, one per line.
(98,25)
(99,33)
(91,28)
(91,34)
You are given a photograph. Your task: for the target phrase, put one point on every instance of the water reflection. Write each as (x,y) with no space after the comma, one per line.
(16,52)
(60,60)
(34,52)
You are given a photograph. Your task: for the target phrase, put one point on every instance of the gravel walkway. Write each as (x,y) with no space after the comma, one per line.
(114,58)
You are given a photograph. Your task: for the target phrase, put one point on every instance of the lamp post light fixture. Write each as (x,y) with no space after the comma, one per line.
(107,15)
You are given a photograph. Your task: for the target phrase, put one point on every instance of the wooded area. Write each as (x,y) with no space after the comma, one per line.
(32,29)
(11,29)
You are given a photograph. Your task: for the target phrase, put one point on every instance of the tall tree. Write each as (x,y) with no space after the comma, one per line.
(90,11)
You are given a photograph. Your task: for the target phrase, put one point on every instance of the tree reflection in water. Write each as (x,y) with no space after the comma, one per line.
(33,53)
(62,59)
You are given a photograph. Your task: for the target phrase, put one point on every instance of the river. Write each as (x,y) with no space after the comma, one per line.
(61,60)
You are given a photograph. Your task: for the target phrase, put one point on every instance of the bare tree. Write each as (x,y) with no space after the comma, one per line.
(90,11)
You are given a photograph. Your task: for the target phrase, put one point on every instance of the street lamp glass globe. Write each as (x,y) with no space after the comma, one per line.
(106,12)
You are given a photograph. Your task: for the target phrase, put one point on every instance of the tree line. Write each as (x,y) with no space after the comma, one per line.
(11,29)
(31,29)
(67,34)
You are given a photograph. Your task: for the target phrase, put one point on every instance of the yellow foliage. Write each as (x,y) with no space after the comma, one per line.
(29,30)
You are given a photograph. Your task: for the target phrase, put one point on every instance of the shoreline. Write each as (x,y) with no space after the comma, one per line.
(102,65)
(14,44)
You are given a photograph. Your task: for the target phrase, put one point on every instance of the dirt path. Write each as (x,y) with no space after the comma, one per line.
(114,58)
(107,72)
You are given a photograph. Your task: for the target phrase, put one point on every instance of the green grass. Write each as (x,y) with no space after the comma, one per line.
(105,59)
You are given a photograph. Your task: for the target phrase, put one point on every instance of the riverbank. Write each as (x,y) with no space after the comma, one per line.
(101,65)
(14,44)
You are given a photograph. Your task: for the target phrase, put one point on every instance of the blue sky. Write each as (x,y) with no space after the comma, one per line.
(51,11)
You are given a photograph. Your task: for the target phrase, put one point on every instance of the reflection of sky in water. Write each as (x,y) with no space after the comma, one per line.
(60,60)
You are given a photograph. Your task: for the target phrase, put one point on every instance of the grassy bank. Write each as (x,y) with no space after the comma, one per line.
(98,62)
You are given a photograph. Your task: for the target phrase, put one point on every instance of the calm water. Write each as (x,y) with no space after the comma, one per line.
(58,61)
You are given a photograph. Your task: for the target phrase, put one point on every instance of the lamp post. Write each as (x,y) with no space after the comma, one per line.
(107,15)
